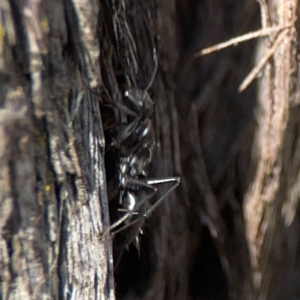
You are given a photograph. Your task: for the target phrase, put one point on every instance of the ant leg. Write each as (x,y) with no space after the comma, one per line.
(167,193)
(148,183)
(127,215)
(163,180)
(124,109)
(134,184)
(153,207)
(127,131)
(119,106)
(139,183)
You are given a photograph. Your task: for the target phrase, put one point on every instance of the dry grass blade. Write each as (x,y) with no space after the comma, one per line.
(255,71)
(241,39)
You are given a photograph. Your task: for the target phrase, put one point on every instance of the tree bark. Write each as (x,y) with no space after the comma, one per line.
(53,192)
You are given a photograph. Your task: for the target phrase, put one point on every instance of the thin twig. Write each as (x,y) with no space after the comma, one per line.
(240,39)
(255,71)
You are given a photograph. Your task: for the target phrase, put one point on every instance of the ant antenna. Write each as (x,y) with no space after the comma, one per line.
(154,60)
(154,70)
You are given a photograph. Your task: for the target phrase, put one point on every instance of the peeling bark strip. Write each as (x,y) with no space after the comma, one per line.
(53,200)
(265,207)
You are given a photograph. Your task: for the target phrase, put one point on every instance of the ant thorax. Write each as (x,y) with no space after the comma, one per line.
(133,136)
(139,101)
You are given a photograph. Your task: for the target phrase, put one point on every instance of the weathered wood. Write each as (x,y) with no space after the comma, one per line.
(271,201)
(53,187)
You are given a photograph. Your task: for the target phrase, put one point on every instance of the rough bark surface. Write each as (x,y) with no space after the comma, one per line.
(52,147)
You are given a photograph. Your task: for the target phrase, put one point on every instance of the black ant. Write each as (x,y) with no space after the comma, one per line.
(136,143)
